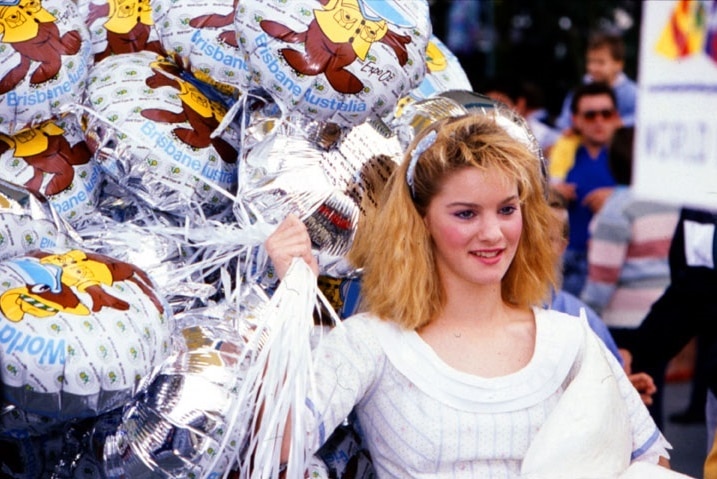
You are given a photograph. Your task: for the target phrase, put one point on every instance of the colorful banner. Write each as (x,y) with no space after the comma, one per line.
(676,131)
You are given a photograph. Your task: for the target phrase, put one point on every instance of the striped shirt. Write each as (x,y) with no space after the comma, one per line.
(628,267)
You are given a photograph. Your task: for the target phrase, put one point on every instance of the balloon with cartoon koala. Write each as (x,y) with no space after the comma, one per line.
(51,159)
(203,41)
(120,26)
(444,73)
(23,228)
(45,55)
(341,61)
(155,132)
(77,332)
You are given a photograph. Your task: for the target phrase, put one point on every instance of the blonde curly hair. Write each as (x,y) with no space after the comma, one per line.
(400,281)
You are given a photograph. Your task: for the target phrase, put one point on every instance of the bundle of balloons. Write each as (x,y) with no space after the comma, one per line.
(147,148)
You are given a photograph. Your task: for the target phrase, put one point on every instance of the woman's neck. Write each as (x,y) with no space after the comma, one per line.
(482,303)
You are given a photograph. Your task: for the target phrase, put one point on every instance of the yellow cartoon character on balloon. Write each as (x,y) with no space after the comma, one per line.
(30,29)
(338,35)
(50,281)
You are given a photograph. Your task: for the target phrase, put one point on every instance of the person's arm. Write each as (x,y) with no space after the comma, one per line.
(290,240)
(597,198)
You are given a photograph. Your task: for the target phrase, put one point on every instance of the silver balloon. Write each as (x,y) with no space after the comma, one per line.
(452,103)
(28,222)
(323,173)
(153,131)
(421,114)
(189,418)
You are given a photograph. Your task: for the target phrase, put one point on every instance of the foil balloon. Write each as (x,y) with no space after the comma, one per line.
(155,134)
(203,40)
(67,450)
(77,331)
(344,455)
(444,73)
(188,419)
(332,175)
(17,423)
(414,116)
(119,26)
(51,159)
(450,103)
(146,242)
(28,223)
(45,55)
(340,61)
(20,233)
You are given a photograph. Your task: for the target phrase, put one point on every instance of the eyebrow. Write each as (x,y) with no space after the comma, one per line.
(509,199)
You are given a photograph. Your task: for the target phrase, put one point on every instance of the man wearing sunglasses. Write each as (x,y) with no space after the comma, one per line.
(587,182)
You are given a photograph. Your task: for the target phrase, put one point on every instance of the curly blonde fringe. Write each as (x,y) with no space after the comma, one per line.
(400,281)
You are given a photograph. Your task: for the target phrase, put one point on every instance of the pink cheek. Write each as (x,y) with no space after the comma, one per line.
(514,231)
(454,236)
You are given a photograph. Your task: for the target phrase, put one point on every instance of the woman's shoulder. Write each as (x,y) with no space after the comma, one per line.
(367,321)
(558,320)
(365,330)
(561,329)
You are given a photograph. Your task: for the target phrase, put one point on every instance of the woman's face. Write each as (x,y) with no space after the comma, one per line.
(475,222)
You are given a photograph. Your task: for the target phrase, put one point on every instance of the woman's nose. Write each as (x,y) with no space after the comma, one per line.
(490,229)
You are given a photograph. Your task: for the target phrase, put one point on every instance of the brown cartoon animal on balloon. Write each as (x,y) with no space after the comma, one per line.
(335,38)
(43,294)
(48,152)
(202,115)
(128,26)
(214,20)
(89,272)
(31,31)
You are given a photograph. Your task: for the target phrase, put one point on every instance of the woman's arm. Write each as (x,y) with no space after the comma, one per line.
(290,240)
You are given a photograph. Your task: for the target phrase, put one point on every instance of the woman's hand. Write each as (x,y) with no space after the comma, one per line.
(290,240)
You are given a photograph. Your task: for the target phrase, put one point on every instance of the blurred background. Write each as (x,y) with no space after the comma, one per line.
(539,40)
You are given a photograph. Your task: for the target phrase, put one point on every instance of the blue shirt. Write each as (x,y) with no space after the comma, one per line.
(588,174)
(567,303)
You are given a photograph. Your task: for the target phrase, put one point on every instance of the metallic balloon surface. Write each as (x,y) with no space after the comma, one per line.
(51,159)
(45,56)
(342,61)
(188,418)
(331,177)
(154,132)
(77,331)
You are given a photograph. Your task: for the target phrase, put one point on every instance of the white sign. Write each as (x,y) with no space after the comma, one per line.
(676,128)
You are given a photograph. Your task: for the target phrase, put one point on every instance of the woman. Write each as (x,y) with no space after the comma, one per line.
(453,370)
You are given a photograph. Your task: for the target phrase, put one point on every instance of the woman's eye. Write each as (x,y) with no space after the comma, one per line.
(465,214)
(508,210)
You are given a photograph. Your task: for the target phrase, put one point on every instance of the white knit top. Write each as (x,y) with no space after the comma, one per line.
(422,418)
